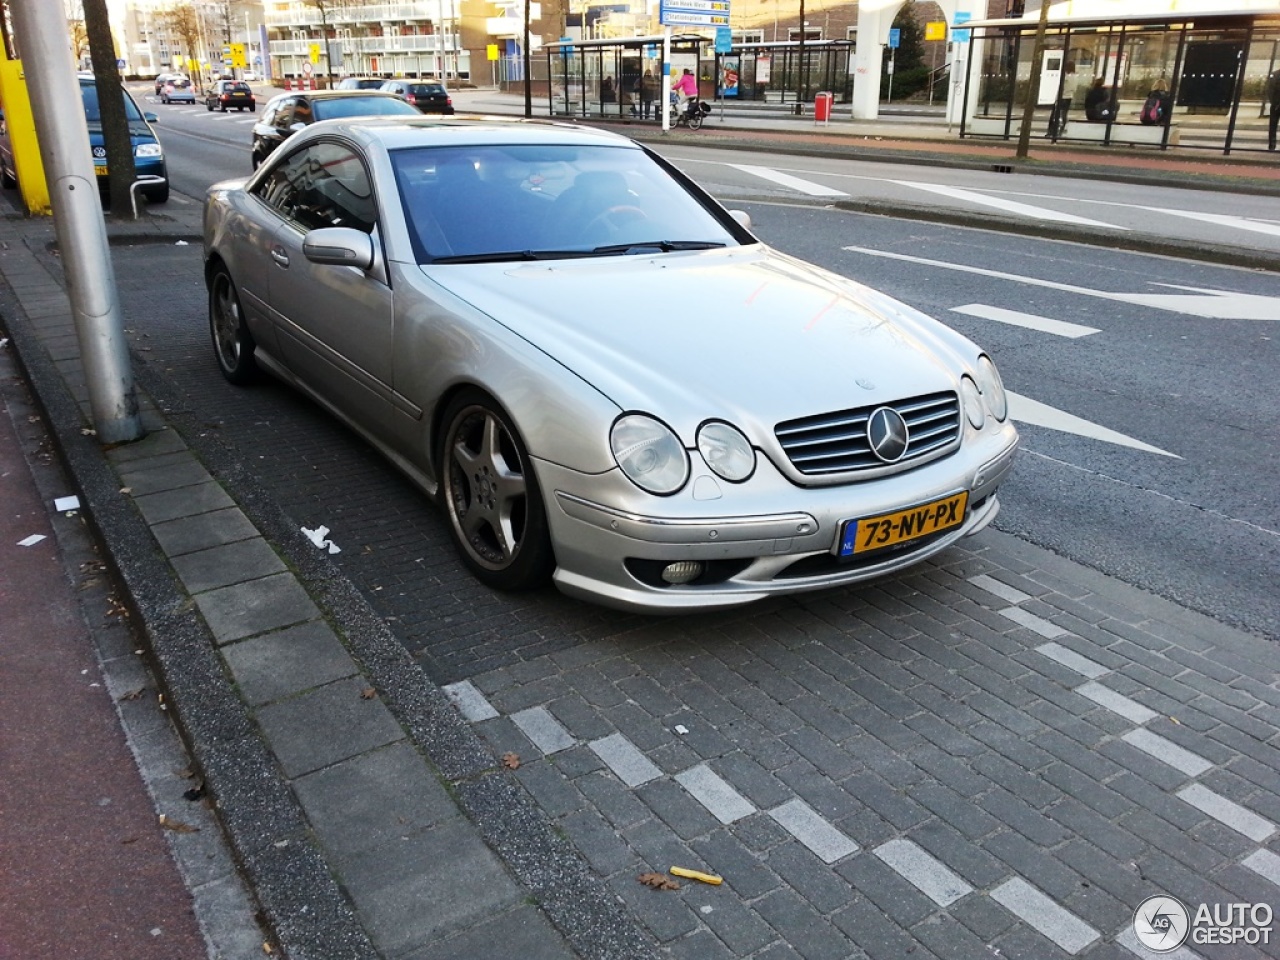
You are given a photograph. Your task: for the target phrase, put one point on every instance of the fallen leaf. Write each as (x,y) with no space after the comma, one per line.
(177,826)
(368,693)
(195,793)
(267,948)
(511,761)
(186,773)
(132,694)
(658,881)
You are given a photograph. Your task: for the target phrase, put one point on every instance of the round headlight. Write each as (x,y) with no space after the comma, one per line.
(147,150)
(728,453)
(972,403)
(992,388)
(649,453)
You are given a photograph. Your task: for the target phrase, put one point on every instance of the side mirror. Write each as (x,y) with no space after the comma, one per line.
(742,218)
(339,247)
(150,118)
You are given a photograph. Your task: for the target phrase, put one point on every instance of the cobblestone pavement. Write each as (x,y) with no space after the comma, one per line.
(998,753)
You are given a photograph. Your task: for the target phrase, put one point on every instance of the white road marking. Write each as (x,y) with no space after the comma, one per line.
(999,588)
(544,730)
(1040,912)
(1031,321)
(1212,304)
(1025,410)
(625,759)
(1072,660)
(807,825)
(786,180)
(1166,751)
(1256,828)
(1032,622)
(471,703)
(1222,220)
(1117,703)
(1008,206)
(925,872)
(725,803)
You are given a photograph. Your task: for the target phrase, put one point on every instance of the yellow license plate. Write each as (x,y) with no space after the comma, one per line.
(902,526)
(101,171)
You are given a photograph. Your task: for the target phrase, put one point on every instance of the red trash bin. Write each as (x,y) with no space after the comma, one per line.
(821,107)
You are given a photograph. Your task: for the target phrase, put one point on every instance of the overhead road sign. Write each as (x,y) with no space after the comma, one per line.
(694,13)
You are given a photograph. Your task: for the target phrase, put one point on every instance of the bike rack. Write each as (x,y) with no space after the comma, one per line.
(145,180)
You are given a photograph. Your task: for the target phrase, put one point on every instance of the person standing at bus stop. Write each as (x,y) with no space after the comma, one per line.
(1273,110)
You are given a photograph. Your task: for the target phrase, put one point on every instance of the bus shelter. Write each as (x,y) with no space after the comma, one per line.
(609,78)
(1190,79)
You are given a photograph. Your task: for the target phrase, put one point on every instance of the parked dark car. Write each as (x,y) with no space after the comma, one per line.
(228,94)
(288,113)
(148,155)
(429,96)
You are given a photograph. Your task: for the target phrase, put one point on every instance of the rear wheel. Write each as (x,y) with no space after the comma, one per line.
(7,178)
(208,106)
(232,343)
(496,516)
(695,120)
(224,108)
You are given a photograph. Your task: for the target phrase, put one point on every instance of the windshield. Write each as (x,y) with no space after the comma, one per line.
(361,107)
(89,93)
(547,202)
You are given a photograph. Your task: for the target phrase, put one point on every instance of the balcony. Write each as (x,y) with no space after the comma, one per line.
(371,46)
(303,15)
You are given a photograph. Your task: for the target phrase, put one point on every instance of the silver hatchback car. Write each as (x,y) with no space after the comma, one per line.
(603,376)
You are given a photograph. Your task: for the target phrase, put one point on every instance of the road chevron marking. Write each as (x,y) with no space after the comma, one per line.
(1211,304)
(1031,321)
(786,180)
(1025,410)
(1008,206)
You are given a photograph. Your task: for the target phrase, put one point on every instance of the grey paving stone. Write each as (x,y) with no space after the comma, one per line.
(700,945)
(326,725)
(947,938)
(280,664)
(815,881)
(1118,877)
(523,932)
(373,799)
(1142,764)
(960,812)
(543,730)
(1026,858)
(625,760)
(657,845)
(600,844)
(959,853)
(714,793)
(185,502)
(552,792)
(245,609)
(736,924)
(1101,800)
(613,800)
(878,937)
(1253,826)
(800,926)
(879,883)
(170,471)
(665,912)
(471,703)
(223,565)
(677,808)
(411,892)
(1172,841)
(985,918)
(744,871)
(190,534)
(751,779)
(1166,751)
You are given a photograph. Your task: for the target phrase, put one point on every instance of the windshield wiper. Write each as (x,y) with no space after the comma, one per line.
(666,246)
(506,256)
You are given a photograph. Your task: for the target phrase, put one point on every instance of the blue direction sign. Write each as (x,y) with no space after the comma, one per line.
(895,35)
(961,36)
(724,40)
(694,13)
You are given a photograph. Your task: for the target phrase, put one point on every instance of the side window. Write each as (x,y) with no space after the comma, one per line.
(322,185)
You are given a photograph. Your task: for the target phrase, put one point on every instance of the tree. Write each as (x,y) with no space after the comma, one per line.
(910,52)
(182,21)
(325,7)
(115,125)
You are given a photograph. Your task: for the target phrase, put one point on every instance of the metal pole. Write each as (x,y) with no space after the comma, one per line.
(41,31)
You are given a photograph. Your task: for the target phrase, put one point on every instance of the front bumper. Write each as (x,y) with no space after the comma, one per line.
(605,531)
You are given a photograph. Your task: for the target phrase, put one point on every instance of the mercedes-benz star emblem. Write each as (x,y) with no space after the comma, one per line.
(887,434)
(1161,924)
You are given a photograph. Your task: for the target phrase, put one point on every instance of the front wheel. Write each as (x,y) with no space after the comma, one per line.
(232,343)
(695,121)
(496,516)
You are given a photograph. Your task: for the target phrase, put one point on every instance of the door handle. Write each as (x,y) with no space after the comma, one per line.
(279,256)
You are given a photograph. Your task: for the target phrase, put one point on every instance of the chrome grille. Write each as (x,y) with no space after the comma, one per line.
(837,442)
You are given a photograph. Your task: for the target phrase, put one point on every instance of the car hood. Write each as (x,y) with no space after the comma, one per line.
(745,333)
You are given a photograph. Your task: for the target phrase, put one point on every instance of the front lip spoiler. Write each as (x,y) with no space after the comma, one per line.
(694,530)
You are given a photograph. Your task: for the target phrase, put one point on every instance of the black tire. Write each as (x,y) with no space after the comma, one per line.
(233,346)
(8,179)
(208,106)
(224,108)
(491,496)
(695,121)
(253,108)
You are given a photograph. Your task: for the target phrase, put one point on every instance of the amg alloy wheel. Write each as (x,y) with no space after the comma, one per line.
(232,343)
(491,496)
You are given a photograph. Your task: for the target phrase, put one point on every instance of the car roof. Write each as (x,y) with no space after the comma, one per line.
(335,94)
(394,133)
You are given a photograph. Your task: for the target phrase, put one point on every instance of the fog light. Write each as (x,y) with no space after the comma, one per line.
(684,571)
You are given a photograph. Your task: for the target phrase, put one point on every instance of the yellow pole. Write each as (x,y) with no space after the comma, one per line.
(20,127)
